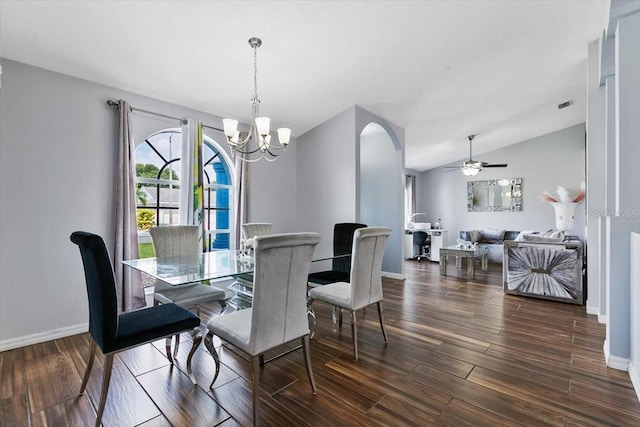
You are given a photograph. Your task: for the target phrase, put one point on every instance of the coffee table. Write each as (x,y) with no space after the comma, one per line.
(470,254)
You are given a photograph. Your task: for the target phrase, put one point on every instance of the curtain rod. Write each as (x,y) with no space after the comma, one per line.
(212,127)
(112,103)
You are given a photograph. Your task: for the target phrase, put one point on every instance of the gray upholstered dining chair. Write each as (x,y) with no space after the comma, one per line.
(182,240)
(252,229)
(278,314)
(365,286)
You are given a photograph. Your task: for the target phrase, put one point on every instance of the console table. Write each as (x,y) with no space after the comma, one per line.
(470,254)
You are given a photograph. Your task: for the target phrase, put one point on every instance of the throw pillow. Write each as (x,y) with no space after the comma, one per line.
(492,235)
(522,236)
(474,236)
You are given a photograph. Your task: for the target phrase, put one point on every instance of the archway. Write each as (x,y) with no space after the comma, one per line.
(381,198)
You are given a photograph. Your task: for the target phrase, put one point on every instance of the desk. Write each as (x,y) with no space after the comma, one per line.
(471,255)
(438,240)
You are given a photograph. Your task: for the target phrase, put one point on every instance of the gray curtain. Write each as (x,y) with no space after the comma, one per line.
(409,197)
(128,281)
(241,184)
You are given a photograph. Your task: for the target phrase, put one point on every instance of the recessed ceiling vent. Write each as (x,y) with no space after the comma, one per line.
(565,104)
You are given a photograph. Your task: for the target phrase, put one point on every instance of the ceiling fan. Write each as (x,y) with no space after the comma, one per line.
(472,167)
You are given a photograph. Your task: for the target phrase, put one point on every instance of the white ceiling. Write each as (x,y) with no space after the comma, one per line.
(440,69)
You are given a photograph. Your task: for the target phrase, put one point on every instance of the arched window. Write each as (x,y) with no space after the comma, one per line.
(158,169)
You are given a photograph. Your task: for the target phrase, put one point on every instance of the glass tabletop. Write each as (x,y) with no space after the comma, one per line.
(182,270)
(206,266)
(477,251)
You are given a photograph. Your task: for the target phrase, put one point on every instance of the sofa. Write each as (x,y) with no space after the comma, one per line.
(491,238)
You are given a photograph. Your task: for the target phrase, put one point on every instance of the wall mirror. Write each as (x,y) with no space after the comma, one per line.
(495,195)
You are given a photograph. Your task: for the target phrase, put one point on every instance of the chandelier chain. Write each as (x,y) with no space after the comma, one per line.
(255,75)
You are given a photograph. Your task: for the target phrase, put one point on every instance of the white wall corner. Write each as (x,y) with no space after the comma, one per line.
(634,374)
(602,318)
(43,337)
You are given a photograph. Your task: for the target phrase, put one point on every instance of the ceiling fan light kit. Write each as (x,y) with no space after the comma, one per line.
(472,167)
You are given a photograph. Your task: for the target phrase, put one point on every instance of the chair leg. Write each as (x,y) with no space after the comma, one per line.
(167,347)
(336,316)
(312,315)
(313,327)
(208,342)
(175,349)
(255,387)
(306,350)
(381,317)
(197,339)
(87,371)
(106,379)
(354,332)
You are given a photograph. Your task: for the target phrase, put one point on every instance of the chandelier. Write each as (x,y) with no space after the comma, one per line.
(256,144)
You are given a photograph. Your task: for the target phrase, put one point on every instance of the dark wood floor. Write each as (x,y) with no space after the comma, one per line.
(460,353)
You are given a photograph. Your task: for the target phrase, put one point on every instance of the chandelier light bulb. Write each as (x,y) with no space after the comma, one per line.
(284,135)
(263,124)
(230,127)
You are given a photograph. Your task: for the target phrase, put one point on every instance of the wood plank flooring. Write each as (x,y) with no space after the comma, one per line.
(460,353)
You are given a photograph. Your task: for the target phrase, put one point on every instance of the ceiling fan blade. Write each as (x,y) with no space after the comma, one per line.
(497,165)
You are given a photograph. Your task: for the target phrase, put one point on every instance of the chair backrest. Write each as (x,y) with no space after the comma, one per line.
(175,240)
(366,267)
(253,229)
(282,263)
(420,238)
(343,243)
(101,287)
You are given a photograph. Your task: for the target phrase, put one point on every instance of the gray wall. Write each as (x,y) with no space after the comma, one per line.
(57,169)
(625,217)
(596,171)
(543,163)
(381,193)
(327,179)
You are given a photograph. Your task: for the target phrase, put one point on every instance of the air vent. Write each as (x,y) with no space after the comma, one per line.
(565,104)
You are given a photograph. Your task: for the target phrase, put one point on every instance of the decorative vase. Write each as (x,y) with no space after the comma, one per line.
(565,214)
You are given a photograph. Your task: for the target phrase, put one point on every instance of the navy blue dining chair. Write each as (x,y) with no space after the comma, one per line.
(340,266)
(114,332)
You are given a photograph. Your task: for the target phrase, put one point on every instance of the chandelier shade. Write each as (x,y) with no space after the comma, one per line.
(255,144)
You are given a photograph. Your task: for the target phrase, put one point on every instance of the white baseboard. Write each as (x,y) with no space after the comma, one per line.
(602,318)
(43,337)
(614,362)
(396,276)
(593,310)
(634,374)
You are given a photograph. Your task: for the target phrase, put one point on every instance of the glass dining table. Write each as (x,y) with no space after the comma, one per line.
(208,266)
